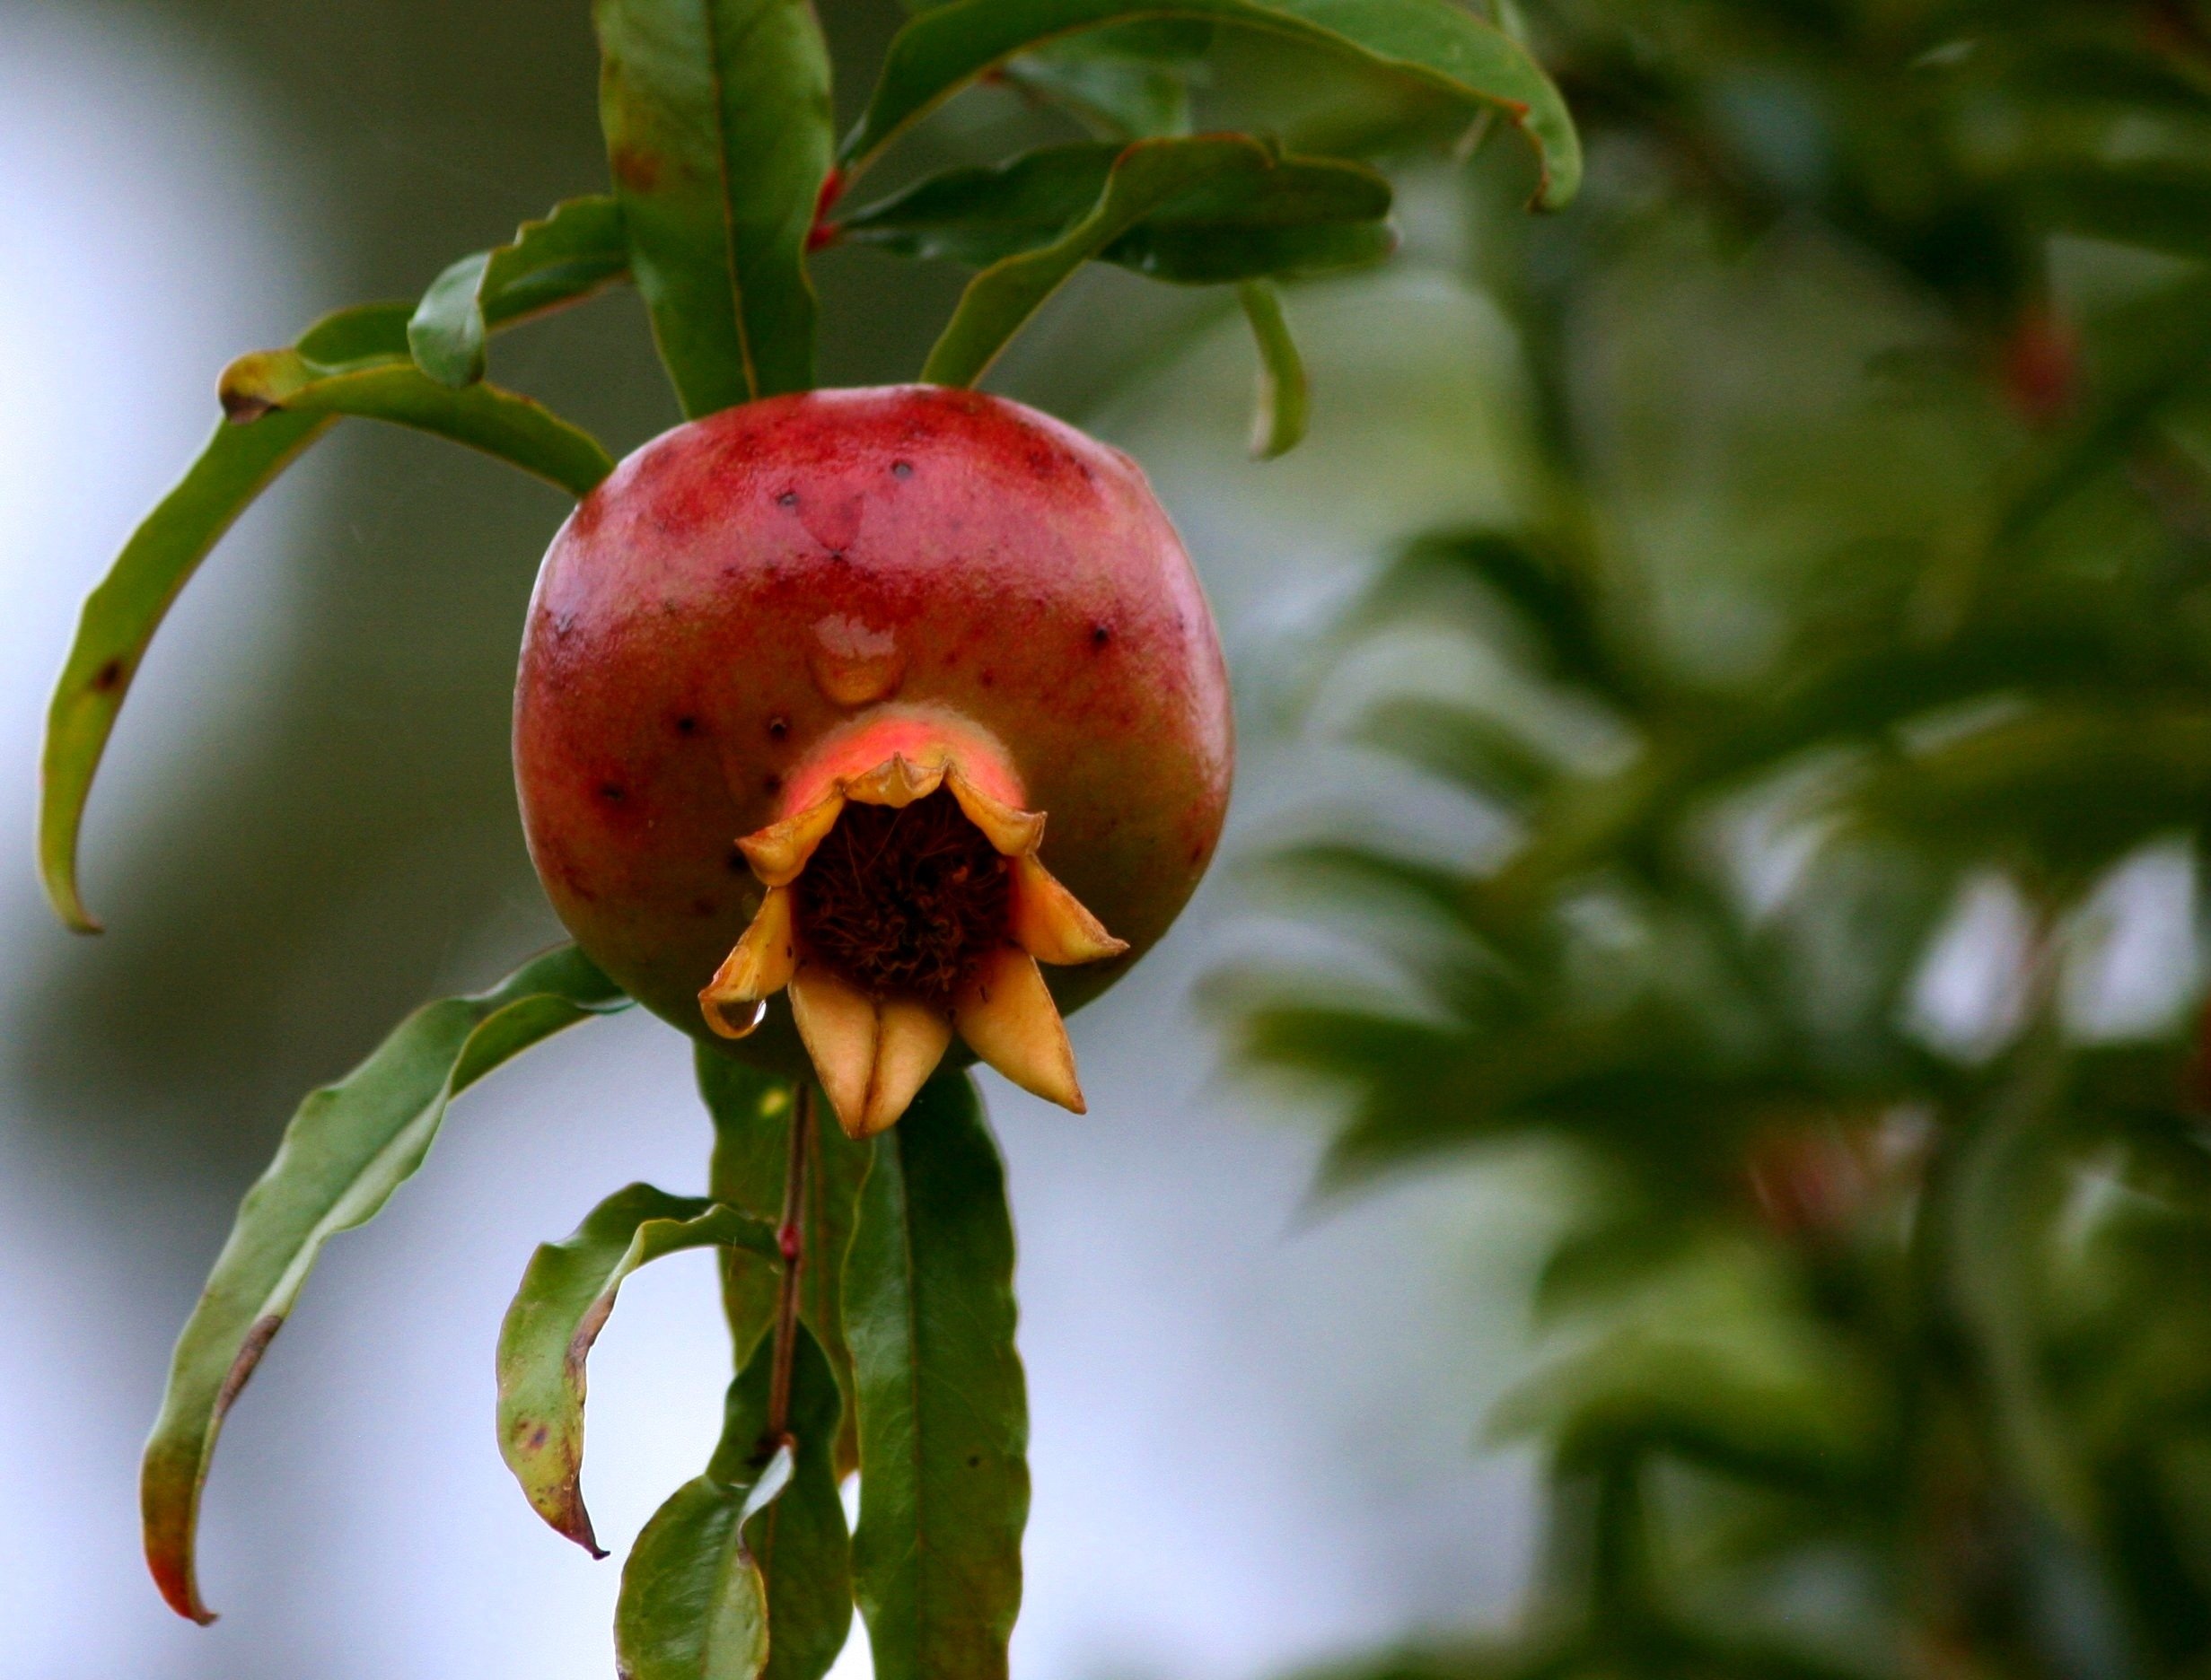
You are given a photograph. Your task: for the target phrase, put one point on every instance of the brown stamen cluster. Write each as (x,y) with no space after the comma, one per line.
(904,901)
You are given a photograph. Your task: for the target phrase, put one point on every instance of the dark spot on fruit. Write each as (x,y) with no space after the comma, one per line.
(613,793)
(975,1461)
(1100,634)
(901,469)
(990,679)
(1198,854)
(563,623)
(788,499)
(771,783)
(686,725)
(538,1437)
(778,726)
(108,678)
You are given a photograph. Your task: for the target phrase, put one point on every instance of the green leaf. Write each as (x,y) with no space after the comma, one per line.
(2158,205)
(575,251)
(1284,405)
(1458,744)
(716,115)
(1301,215)
(120,616)
(1549,596)
(566,1297)
(752,1114)
(1166,198)
(1435,42)
(279,401)
(1127,83)
(348,1148)
(979,215)
(944,1416)
(513,428)
(744,1573)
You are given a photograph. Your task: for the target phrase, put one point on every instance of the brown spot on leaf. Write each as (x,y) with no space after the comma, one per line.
(249,1354)
(108,678)
(635,168)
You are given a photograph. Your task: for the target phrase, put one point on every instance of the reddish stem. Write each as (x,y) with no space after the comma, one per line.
(825,232)
(790,1238)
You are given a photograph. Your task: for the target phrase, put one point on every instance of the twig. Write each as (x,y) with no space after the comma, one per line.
(791,1239)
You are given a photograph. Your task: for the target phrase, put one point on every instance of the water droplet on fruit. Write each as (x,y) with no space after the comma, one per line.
(853,664)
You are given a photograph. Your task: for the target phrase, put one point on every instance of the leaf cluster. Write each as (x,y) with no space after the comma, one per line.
(1867,583)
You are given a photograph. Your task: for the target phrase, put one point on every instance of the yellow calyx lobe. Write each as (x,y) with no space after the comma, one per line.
(904,904)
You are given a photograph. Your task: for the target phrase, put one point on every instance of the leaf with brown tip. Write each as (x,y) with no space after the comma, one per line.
(566,1297)
(278,402)
(347,1149)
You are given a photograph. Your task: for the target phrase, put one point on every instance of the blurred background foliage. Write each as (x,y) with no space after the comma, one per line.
(1764,812)
(1834,738)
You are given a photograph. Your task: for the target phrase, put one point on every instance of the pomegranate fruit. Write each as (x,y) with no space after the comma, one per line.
(801,685)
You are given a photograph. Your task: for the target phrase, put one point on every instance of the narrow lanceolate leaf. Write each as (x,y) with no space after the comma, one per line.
(1436,42)
(716,115)
(1302,215)
(566,1297)
(517,430)
(836,1168)
(350,1145)
(1284,405)
(752,1114)
(944,1416)
(353,362)
(575,251)
(745,1574)
(118,621)
(1158,194)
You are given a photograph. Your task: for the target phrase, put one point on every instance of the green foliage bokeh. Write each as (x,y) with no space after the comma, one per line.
(1852,672)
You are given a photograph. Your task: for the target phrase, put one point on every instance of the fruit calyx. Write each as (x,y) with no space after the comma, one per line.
(906,901)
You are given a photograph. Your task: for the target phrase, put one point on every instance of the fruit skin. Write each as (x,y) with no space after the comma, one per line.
(746,584)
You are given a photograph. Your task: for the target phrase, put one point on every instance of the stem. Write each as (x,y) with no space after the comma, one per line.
(790,1236)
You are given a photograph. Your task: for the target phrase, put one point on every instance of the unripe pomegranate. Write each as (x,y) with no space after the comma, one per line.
(801,685)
